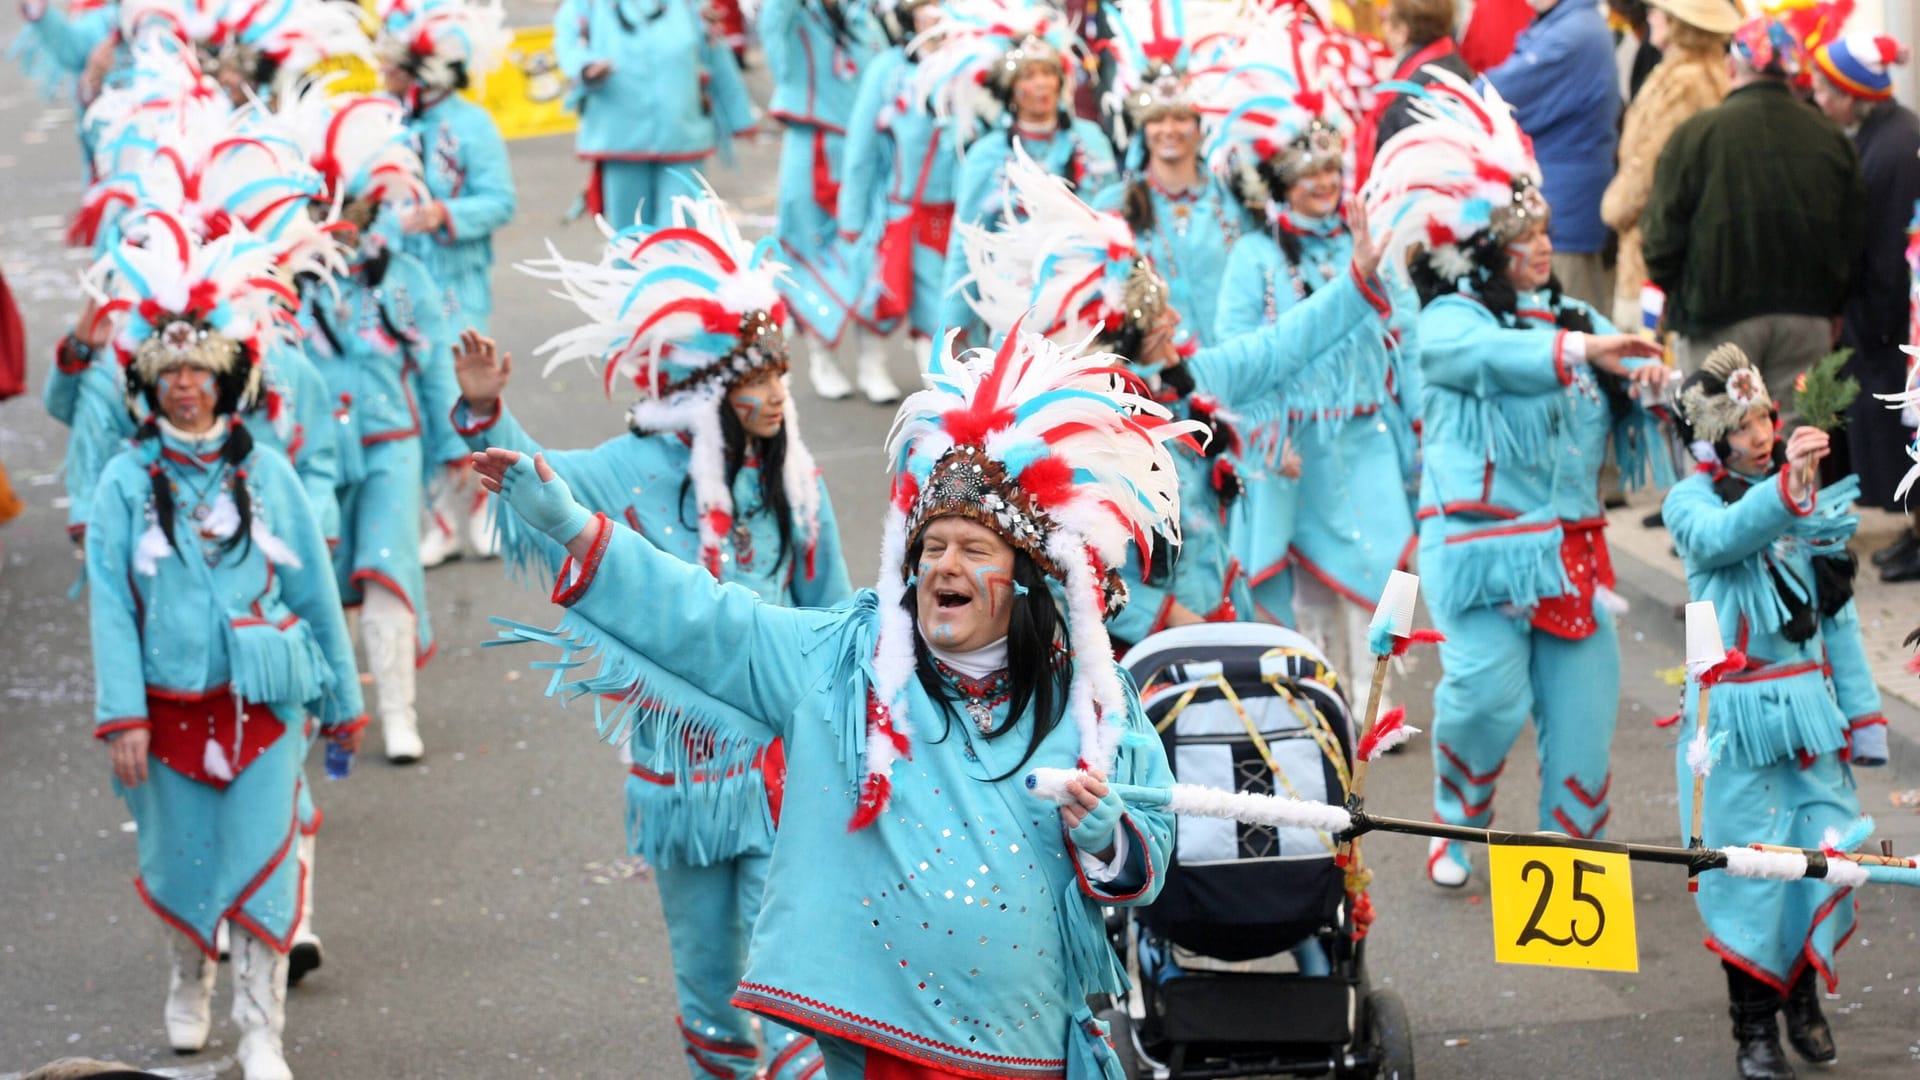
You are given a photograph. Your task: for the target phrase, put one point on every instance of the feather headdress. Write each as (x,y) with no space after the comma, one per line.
(357,143)
(684,313)
(1461,179)
(211,304)
(1064,455)
(1271,112)
(444,44)
(1161,60)
(969,60)
(1078,269)
(268,43)
(1710,416)
(165,99)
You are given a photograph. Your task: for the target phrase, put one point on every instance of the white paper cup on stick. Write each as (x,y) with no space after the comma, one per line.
(1704,645)
(1397,603)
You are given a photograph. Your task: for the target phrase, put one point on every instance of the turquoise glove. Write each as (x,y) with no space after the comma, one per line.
(1095,831)
(549,507)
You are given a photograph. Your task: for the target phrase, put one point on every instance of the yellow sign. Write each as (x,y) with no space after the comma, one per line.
(1562,907)
(525,94)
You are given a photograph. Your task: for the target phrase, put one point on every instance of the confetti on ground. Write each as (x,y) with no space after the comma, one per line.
(614,871)
(1673,676)
(1906,800)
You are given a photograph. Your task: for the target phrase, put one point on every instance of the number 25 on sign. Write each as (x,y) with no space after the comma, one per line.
(1562,907)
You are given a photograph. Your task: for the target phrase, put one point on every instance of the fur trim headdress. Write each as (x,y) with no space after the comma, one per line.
(1273,117)
(444,44)
(1458,183)
(1065,456)
(684,313)
(1710,416)
(211,304)
(1076,268)
(970,59)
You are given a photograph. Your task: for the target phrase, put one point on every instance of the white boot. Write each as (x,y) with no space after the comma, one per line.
(481,539)
(189,994)
(922,353)
(388,632)
(875,382)
(305,955)
(259,1007)
(825,374)
(446,507)
(1447,865)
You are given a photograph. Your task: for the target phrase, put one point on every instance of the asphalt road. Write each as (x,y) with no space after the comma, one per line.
(479,918)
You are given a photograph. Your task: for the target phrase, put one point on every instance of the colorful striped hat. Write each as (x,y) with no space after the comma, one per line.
(1859,64)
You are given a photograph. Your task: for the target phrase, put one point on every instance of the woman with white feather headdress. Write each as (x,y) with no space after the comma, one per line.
(208,733)
(380,337)
(430,51)
(1522,388)
(1003,73)
(712,471)
(1021,480)
(1794,710)
(1319,548)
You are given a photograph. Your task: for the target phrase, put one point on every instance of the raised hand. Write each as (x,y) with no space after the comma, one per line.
(535,492)
(1805,447)
(1366,252)
(482,372)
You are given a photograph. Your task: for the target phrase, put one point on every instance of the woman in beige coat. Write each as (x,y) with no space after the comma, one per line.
(1692,36)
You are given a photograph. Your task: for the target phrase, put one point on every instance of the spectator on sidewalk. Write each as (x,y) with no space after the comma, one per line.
(1756,217)
(1420,33)
(1635,54)
(1562,84)
(1691,37)
(1853,85)
(1491,30)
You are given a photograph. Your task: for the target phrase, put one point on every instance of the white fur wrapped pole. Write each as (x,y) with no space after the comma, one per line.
(1197,801)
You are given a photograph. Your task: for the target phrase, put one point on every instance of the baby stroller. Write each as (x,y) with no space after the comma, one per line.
(1247,963)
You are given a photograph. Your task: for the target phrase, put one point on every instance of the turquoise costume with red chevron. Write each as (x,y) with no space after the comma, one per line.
(979,964)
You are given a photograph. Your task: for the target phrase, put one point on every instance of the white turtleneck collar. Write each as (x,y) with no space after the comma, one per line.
(976,663)
(207,439)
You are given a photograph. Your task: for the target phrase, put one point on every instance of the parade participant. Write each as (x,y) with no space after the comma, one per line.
(55,44)
(1004,67)
(201,541)
(655,96)
(896,195)
(252,48)
(1185,219)
(1768,545)
(376,334)
(714,472)
(958,930)
(816,50)
(1522,387)
(1335,535)
(430,50)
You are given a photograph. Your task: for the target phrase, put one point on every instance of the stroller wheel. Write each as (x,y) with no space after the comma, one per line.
(1120,1034)
(1389,1037)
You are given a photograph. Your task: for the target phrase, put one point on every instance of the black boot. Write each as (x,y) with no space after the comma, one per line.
(1755,1029)
(1899,550)
(1807,1029)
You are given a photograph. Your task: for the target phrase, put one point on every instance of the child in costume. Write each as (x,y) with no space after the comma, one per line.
(216,628)
(923,914)
(1768,545)
(713,472)
(429,51)
(896,196)
(379,338)
(1003,73)
(656,97)
(1185,219)
(1521,388)
(816,51)
(1319,549)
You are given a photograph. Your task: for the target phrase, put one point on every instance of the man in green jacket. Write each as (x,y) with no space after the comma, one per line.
(1757,217)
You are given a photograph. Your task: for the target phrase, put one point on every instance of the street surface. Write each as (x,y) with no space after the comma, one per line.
(479,917)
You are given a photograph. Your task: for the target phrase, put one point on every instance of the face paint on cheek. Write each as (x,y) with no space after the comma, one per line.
(1517,258)
(987,579)
(748,407)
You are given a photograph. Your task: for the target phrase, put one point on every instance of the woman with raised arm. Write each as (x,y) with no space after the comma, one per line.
(713,472)
(1521,388)
(923,915)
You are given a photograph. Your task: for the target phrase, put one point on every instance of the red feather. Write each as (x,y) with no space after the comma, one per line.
(1734,664)
(1048,482)
(873,799)
(1389,723)
(1666,721)
(971,426)
(1418,637)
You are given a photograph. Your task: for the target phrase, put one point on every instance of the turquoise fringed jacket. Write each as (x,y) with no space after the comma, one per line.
(1795,697)
(673,94)
(1514,435)
(680,811)
(470,176)
(958,930)
(814,76)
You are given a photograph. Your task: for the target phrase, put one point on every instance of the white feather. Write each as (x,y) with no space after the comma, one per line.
(214,761)
(274,548)
(150,549)
(1397,737)
(223,518)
